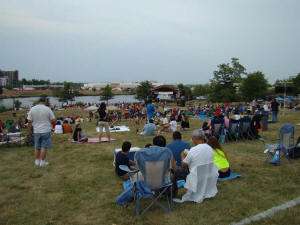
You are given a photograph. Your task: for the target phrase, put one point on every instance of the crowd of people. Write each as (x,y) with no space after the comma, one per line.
(206,149)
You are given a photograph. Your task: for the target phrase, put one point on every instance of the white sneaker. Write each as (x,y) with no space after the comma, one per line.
(43,163)
(178,200)
(37,162)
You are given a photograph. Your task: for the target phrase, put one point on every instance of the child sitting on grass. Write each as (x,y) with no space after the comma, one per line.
(122,159)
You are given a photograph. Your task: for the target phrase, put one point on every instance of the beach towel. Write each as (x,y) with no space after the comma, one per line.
(232,176)
(93,140)
(115,129)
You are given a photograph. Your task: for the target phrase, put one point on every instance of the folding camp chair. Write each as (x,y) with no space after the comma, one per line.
(245,131)
(233,130)
(154,165)
(217,127)
(285,146)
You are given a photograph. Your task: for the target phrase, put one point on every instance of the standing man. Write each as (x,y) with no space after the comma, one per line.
(275,109)
(41,117)
(150,110)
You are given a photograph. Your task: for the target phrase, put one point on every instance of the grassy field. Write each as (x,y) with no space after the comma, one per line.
(79,186)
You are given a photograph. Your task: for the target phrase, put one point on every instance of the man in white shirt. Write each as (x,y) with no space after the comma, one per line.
(200,154)
(41,117)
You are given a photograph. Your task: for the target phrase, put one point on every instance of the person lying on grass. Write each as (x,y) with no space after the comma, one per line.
(220,157)
(78,135)
(122,159)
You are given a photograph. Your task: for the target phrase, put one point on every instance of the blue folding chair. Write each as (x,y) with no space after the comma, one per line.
(285,145)
(245,128)
(233,130)
(217,127)
(154,167)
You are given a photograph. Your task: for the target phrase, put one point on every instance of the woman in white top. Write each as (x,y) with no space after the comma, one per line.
(58,129)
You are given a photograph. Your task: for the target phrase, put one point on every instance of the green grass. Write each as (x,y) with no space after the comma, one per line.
(79,186)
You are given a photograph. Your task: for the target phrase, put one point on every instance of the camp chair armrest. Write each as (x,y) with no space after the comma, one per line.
(127,169)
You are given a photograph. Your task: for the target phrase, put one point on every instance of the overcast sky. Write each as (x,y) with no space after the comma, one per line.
(134,40)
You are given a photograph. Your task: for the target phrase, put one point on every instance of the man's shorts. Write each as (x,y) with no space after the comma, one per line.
(42,140)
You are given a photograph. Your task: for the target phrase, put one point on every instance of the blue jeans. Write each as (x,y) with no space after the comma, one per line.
(274,116)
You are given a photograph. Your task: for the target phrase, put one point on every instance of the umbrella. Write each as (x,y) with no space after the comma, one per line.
(288,100)
(91,108)
(279,99)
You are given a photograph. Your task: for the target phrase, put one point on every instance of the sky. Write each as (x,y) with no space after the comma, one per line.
(170,41)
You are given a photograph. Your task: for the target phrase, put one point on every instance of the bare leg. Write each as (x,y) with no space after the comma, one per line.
(43,153)
(100,135)
(37,154)
(108,135)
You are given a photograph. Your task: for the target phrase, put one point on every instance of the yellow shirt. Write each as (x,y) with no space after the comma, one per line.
(220,159)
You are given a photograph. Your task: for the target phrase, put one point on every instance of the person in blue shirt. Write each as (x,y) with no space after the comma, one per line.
(149,129)
(177,147)
(150,110)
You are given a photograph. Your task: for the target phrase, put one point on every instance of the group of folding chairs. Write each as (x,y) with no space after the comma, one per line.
(237,129)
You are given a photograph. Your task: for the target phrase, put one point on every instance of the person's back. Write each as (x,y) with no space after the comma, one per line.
(58,129)
(198,155)
(220,159)
(274,105)
(41,117)
(150,111)
(67,128)
(177,147)
(149,129)
(121,159)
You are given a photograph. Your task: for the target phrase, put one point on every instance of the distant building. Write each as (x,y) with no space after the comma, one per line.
(12,77)
(46,86)
(119,85)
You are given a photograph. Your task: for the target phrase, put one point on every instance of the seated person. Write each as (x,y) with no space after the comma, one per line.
(220,157)
(58,129)
(122,159)
(206,128)
(67,128)
(173,124)
(165,123)
(12,128)
(200,154)
(149,129)
(185,124)
(78,135)
(177,146)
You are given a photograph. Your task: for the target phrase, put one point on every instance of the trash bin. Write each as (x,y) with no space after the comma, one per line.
(264,121)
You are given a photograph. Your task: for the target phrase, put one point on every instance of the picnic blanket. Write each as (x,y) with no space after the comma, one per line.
(93,140)
(232,176)
(115,129)
(13,140)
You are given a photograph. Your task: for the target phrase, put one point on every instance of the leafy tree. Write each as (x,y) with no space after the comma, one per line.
(254,86)
(201,90)
(222,85)
(17,104)
(94,89)
(106,93)
(296,82)
(67,93)
(1,90)
(143,91)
